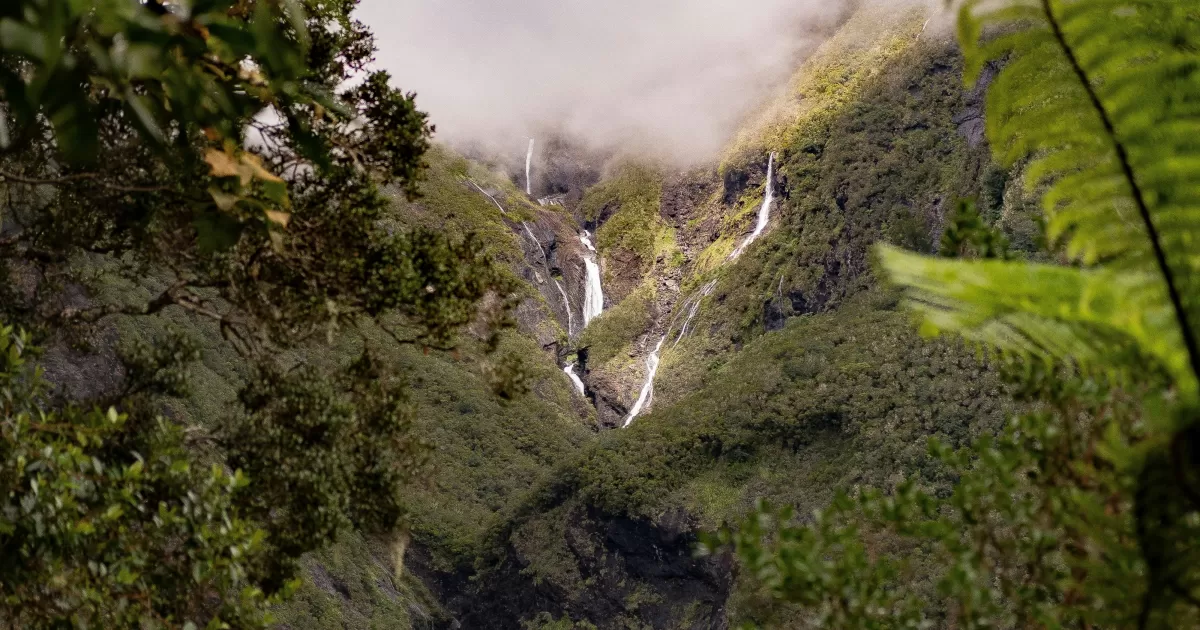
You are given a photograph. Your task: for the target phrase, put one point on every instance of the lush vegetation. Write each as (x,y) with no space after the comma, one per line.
(270,342)
(625,206)
(874,155)
(202,162)
(1082,513)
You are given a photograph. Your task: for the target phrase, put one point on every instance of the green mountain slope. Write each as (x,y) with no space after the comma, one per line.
(799,375)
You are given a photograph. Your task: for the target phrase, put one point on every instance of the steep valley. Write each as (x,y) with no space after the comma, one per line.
(731,340)
(786,372)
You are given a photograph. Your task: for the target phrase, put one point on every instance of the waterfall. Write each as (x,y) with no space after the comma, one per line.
(764,213)
(593,300)
(489,196)
(528,169)
(570,370)
(545,262)
(693,309)
(647,393)
(692,305)
(593,295)
(586,239)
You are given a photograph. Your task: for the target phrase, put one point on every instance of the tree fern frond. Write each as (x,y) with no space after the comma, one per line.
(1042,310)
(1104,96)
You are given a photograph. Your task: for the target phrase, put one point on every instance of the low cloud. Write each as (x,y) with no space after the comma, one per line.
(673,78)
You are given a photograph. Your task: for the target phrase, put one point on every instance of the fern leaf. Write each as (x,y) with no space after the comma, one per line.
(1104,97)
(1046,311)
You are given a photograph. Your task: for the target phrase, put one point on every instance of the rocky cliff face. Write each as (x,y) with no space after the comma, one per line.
(615,572)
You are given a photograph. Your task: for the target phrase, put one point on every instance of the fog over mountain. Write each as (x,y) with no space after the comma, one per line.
(671,77)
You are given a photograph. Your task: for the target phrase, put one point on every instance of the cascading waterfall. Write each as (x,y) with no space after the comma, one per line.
(545,262)
(692,305)
(570,370)
(561,290)
(647,393)
(764,213)
(586,239)
(529,169)
(593,292)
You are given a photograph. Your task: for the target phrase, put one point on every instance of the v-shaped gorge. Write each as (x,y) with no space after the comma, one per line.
(693,342)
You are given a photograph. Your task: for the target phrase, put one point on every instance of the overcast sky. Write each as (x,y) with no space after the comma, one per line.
(672,76)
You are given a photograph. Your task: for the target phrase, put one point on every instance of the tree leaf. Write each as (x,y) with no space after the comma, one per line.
(223,164)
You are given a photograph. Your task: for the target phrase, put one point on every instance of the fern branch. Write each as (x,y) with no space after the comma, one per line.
(1185,328)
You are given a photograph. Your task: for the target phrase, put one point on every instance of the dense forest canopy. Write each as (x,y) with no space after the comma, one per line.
(214,148)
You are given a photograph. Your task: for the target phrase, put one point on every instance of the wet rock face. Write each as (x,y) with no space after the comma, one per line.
(566,170)
(622,273)
(552,252)
(970,121)
(611,571)
(82,374)
(605,389)
(684,195)
(687,206)
(735,183)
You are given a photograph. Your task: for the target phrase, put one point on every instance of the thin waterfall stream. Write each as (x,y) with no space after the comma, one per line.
(692,304)
(542,254)
(561,290)
(647,393)
(570,370)
(529,169)
(764,213)
(593,291)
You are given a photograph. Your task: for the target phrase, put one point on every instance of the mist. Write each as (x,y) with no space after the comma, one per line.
(672,78)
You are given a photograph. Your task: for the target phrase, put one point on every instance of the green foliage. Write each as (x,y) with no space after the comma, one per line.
(1083,512)
(110,520)
(967,236)
(1017,542)
(619,327)
(239,195)
(874,158)
(328,454)
(1118,186)
(835,76)
(854,386)
(831,400)
(354,586)
(631,196)
(161,65)
(546,621)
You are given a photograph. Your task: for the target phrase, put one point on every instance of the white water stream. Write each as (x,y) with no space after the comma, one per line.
(561,290)
(692,305)
(545,262)
(764,213)
(567,302)
(694,308)
(593,293)
(647,393)
(570,370)
(489,196)
(586,239)
(528,169)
